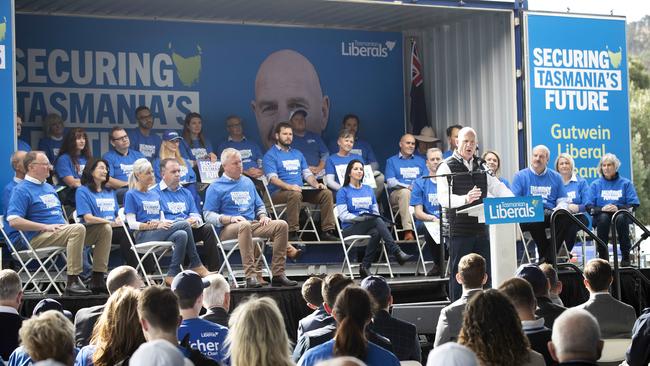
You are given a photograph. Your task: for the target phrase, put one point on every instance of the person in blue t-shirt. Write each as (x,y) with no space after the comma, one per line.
(21,145)
(357,208)
(539,180)
(233,206)
(402,170)
(361,147)
(73,156)
(203,335)
(47,336)
(51,143)
(608,194)
(177,203)
(195,146)
(120,161)
(143,214)
(452,138)
(35,209)
(493,161)
(17,159)
(142,138)
(310,144)
(286,168)
(251,154)
(353,312)
(424,200)
(577,190)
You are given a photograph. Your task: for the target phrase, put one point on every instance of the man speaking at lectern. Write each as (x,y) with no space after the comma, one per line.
(472,183)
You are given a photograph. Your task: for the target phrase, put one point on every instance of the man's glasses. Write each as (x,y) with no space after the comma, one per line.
(123,138)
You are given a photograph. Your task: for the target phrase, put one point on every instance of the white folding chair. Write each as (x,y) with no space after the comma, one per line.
(153,249)
(280,209)
(421,242)
(228,247)
(393,213)
(350,241)
(44,258)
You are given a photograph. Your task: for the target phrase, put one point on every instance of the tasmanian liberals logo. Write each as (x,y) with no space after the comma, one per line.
(513,209)
(367,49)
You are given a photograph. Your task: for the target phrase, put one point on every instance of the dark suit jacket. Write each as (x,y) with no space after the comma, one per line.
(319,336)
(539,338)
(10,324)
(217,315)
(639,352)
(547,310)
(84,321)
(318,319)
(403,336)
(615,318)
(451,319)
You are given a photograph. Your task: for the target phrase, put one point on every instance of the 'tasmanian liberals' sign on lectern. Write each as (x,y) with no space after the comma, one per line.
(502,214)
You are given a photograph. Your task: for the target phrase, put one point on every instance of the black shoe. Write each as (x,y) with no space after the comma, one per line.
(279,281)
(294,236)
(99,290)
(77,288)
(402,257)
(434,271)
(251,282)
(363,271)
(330,235)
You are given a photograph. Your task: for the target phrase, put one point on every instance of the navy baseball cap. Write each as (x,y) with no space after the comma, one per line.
(50,304)
(377,287)
(189,285)
(534,275)
(171,135)
(298,111)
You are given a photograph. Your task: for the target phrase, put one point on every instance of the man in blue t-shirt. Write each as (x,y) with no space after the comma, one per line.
(539,180)
(402,170)
(22,145)
(310,144)
(233,206)
(251,154)
(120,161)
(286,168)
(35,209)
(143,139)
(202,335)
(452,138)
(361,147)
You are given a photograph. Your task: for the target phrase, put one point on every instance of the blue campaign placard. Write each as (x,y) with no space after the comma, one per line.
(508,210)
(578,89)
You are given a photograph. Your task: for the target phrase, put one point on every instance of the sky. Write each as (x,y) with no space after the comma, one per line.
(633,9)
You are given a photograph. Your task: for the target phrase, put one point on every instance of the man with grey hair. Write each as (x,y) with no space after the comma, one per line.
(539,180)
(235,209)
(11,296)
(216,299)
(576,339)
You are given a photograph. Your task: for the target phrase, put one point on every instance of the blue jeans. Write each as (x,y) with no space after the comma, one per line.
(377,230)
(180,233)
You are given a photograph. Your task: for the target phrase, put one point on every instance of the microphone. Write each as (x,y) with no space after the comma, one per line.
(483,167)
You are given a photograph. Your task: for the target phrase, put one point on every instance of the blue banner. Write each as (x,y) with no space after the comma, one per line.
(508,210)
(578,89)
(95,72)
(7,84)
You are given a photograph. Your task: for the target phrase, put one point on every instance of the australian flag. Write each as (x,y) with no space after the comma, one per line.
(419,118)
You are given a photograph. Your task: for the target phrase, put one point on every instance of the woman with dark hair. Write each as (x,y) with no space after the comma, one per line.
(117,333)
(496,340)
(73,156)
(608,194)
(194,145)
(357,208)
(352,312)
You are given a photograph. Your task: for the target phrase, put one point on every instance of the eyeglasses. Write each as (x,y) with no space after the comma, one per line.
(232,126)
(39,163)
(148,116)
(123,138)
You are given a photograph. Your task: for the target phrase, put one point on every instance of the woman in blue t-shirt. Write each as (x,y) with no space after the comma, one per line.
(194,145)
(577,190)
(353,312)
(142,209)
(73,156)
(357,209)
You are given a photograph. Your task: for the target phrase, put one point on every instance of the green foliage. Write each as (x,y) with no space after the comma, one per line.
(640,121)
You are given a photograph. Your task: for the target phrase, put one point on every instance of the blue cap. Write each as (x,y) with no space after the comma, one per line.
(298,111)
(50,304)
(534,275)
(377,287)
(171,135)
(189,285)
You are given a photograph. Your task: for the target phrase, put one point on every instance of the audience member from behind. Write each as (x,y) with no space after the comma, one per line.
(313,296)
(520,293)
(216,300)
(496,340)
(258,335)
(11,296)
(403,336)
(545,307)
(159,353)
(639,352)
(554,282)
(117,333)
(471,275)
(353,313)
(49,335)
(200,334)
(452,354)
(614,317)
(85,318)
(576,339)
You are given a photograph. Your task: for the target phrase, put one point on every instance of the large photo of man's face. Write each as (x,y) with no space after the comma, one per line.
(286,81)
